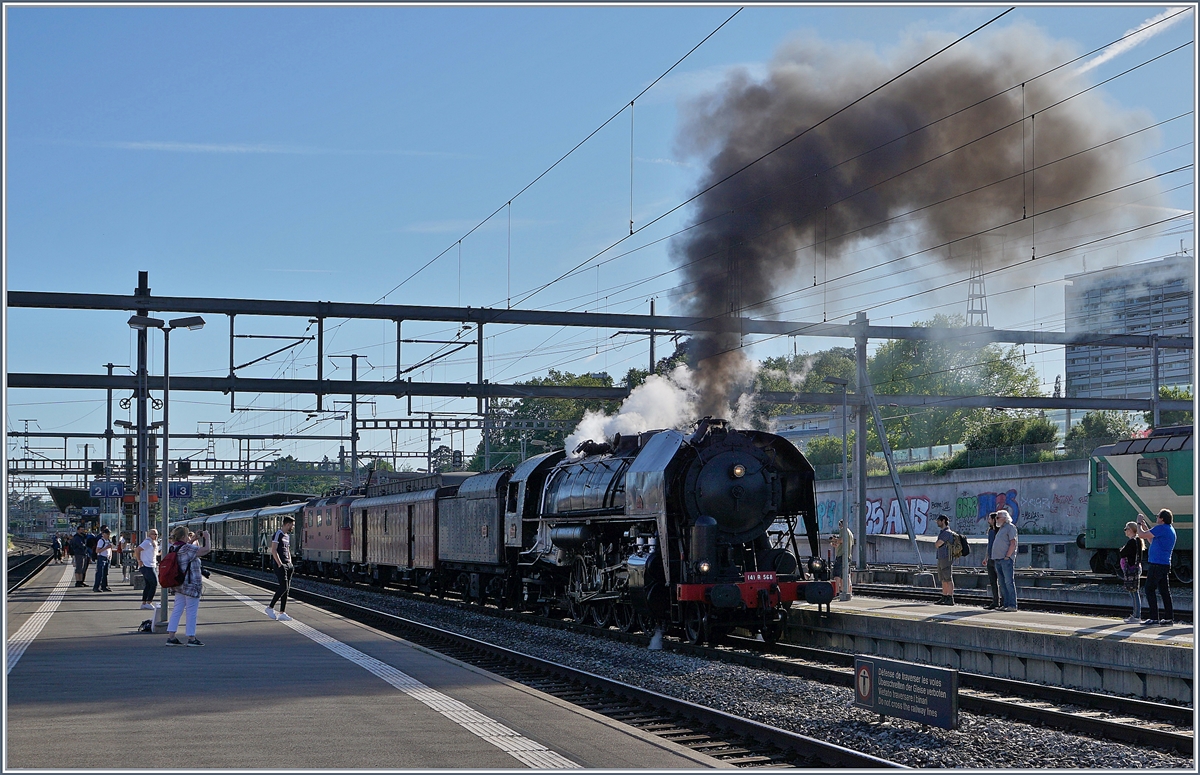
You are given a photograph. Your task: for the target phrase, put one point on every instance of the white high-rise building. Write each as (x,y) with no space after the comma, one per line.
(1156,297)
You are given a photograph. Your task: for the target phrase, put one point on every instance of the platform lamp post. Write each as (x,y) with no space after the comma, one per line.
(193,322)
(845,595)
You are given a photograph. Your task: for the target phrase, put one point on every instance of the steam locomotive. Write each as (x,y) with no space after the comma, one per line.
(654,529)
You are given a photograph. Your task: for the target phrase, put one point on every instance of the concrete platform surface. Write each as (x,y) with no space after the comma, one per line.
(1072,625)
(317,692)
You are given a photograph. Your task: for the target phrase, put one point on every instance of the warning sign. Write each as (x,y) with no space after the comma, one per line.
(907,690)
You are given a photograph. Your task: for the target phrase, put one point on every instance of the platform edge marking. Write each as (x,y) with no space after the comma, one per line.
(529,752)
(24,637)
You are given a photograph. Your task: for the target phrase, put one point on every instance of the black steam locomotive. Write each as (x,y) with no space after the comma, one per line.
(648,530)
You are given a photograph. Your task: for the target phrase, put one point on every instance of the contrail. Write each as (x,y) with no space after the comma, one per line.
(1137,36)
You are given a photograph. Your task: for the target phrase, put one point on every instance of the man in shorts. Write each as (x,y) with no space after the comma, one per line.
(944,563)
(80,553)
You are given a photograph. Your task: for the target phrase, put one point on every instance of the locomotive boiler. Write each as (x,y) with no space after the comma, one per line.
(676,529)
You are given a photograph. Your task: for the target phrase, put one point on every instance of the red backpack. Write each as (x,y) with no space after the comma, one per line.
(170,575)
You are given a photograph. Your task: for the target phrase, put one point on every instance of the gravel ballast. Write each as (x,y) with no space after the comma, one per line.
(796,704)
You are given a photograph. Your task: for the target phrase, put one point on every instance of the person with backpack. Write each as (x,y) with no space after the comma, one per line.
(945,562)
(181,566)
(1004,553)
(147,560)
(104,552)
(79,553)
(281,554)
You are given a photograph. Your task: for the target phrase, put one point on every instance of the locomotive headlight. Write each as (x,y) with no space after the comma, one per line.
(704,567)
(738,471)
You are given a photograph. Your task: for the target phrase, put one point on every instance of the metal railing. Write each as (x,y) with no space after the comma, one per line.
(1076,449)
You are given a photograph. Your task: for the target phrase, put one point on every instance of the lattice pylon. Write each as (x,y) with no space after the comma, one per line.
(977,314)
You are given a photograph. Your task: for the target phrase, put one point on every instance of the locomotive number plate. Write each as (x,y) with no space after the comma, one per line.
(768,575)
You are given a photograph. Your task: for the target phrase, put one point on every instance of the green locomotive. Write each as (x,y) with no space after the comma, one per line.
(1135,476)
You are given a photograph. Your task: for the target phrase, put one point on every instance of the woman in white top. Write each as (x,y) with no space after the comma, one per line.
(147,559)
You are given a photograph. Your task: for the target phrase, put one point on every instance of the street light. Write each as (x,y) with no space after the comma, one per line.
(845,595)
(192,323)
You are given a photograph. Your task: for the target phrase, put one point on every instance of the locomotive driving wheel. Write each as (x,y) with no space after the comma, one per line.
(625,617)
(695,623)
(601,614)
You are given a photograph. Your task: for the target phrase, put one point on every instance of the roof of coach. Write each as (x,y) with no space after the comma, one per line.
(256,502)
(530,464)
(1180,439)
(487,485)
(277,511)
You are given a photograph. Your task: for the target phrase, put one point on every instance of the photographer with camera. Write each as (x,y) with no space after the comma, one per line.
(187,594)
(1161,538)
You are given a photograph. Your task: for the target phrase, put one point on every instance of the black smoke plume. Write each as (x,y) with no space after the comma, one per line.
(833,190)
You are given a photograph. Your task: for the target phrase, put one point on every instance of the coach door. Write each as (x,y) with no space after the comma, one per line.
(363,533)
(410,537)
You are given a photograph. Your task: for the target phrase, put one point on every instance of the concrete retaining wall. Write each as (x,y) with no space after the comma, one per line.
(1087,662)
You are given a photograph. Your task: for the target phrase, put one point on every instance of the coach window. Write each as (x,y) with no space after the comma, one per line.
(1102,476)
(1152,472)
(385,520)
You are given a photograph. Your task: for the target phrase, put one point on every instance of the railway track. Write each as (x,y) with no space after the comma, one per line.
(1104,716)
(23,566)
(980,597)
(722,736)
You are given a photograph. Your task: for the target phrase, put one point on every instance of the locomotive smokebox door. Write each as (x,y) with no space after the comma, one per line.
(736,486)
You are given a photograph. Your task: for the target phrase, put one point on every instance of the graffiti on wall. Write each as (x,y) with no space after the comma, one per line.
(972,509)
(890,520)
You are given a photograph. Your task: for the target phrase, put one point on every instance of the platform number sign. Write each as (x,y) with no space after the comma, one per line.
(99,489)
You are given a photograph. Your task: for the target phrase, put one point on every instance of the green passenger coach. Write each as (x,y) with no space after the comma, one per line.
(1141,476)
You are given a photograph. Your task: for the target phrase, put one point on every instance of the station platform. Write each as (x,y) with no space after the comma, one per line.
(317,692)
(1092,653)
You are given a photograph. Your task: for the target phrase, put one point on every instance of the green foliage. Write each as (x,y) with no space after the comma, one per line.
(803,373)
(506,445)
(1173,416)
(664,365)
(827,450)
(278,476)
(949,367)
(1010,430)
(1097,428)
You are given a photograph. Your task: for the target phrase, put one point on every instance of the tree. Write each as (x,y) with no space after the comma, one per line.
(506,444)
(1011,430)
(1173,416)
(947,366)
(1095,429)
(827,450)
(803,373)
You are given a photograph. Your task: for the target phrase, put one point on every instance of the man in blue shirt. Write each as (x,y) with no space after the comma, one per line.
(1158,564)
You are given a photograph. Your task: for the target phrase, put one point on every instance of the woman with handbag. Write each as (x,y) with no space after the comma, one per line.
(1131,569)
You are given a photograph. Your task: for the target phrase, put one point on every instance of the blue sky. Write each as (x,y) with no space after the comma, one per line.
(327,153)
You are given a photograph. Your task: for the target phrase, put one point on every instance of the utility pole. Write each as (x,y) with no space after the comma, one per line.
(143,425)
(860,439)
(108,437)
(353,415)
(652,361)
